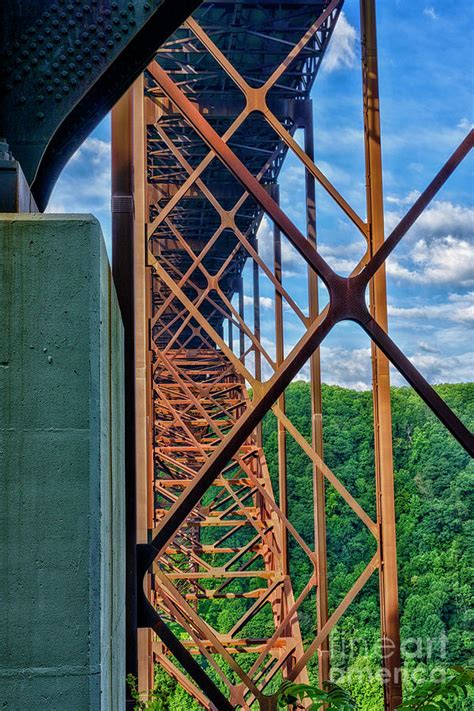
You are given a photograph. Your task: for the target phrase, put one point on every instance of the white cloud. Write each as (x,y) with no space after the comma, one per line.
(84,185)
(265,301)
(430,12)
(441,248)
(352,368)
(341,52)
(465,124)
(459,308)
(440,368)
(405,200)
(292,262)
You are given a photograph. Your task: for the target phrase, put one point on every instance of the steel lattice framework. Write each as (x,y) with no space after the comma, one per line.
(206,130)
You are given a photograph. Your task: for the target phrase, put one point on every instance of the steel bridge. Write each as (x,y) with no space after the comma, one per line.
(199,141)
(198,145)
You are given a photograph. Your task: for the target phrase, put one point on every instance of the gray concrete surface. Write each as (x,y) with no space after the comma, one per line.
(62,606)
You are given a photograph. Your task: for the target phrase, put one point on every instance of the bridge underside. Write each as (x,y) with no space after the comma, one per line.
(206,130)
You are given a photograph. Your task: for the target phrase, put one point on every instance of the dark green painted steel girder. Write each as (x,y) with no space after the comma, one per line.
(63,65)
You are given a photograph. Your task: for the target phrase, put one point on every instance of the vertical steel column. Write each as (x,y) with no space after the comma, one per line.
(142,380)
(280,354)
(242,316)
(380,368)
(257,332)
(316,409)
(122,268)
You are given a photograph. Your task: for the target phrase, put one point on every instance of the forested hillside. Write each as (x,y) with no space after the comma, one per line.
(433,479)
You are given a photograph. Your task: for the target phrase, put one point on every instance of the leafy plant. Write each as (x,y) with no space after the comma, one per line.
(440,696)
(332,697)
(144,701)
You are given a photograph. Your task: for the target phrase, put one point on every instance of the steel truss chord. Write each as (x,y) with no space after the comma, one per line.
(217,561)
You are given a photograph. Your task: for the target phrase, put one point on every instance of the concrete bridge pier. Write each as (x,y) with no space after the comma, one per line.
(62,564)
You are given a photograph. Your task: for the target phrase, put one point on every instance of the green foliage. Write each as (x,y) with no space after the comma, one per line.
(166,695)
(434,479)
(332,697)
(441,696)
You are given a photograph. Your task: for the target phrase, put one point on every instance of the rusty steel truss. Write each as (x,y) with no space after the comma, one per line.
(198,144)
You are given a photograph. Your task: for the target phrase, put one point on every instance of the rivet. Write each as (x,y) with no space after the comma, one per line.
(58,97)
(102,50)
(110,43)
(64,73)
(71,66)
(40,97)
(118,36)
(79,58)
(66,89)
(22,99)
(40,115)
(34,61)
(49,89)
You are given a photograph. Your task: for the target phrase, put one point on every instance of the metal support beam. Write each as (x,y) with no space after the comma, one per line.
(319,493)
(385,491)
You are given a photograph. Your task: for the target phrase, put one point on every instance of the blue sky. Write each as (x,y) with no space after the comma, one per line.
(426,72)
